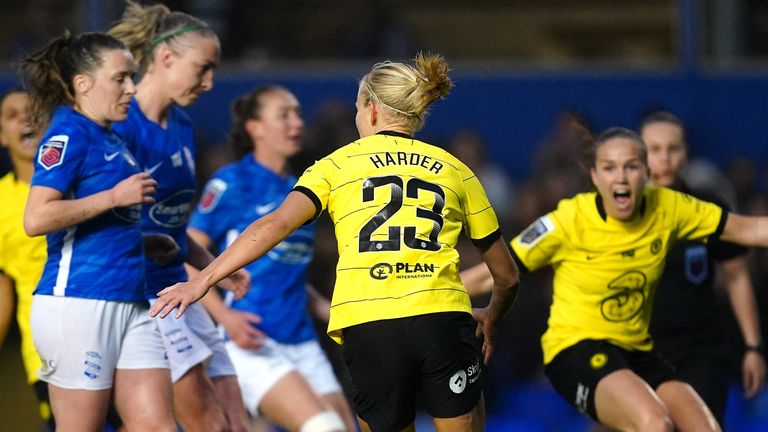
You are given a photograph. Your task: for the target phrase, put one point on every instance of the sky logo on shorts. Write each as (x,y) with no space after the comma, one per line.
(458,381)
(92,364)
(51,153)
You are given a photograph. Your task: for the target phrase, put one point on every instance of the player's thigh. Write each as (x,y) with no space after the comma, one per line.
(194,392)
(143,398)
(686,408)
(473,421)
(707,371)
(79,410)
(624,401)
(451,369)
(310,360)
(258,370)
(383,371)
(290,402)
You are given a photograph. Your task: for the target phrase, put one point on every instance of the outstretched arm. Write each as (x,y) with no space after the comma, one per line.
(200,257)
(254,242)
(742,297)
(746,230)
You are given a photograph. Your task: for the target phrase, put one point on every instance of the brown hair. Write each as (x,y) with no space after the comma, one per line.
(244,108)
(619,132)
(48,73)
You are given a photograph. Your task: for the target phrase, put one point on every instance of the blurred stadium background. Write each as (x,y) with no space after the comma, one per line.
(531,76)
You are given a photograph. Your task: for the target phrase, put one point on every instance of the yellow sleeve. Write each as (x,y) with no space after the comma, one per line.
(480,217)
(538,245)
(316,182)
(4,248)
(697,219)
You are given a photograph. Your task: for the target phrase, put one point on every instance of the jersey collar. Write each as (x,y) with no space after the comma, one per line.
(393,133)
(601,207)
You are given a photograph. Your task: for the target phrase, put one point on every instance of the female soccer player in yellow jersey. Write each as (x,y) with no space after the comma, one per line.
(21,257)
(608,250)
(398,206)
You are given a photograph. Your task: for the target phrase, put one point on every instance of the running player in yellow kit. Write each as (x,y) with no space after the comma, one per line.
(398,206)
(608,250)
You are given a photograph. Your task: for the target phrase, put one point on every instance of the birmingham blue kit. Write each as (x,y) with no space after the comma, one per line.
(100,258)
(237,195)
(167,155)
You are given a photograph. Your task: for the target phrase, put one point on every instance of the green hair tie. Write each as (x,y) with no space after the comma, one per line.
(169,34)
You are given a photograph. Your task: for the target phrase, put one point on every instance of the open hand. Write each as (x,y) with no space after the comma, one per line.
(240,329)
(753,373)
(486,330)
(136,189)
(179,296)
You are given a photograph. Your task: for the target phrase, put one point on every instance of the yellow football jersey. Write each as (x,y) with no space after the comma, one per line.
(398,206)
(607,271)
(21,258)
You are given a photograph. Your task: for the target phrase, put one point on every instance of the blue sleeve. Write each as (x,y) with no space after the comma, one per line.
(211,214)
(60,158)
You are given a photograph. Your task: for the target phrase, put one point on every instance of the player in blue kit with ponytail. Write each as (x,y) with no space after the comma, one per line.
(178,54)
(89,320)
(285,376)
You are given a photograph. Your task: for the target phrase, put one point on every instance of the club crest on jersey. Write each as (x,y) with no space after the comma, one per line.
(211,195)
(51,152)
(536,231)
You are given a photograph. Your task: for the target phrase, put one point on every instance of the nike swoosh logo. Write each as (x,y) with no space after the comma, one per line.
(266,208)
(109,157)
(151,170)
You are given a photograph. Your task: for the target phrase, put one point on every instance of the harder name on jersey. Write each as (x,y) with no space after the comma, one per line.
(403,158)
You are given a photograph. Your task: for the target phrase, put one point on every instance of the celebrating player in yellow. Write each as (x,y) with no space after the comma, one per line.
(608,250)
(21,257)
(398,206)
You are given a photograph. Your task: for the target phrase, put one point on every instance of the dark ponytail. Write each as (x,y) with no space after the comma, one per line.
(49,72)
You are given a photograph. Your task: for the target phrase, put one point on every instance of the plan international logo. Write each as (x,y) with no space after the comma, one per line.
(382,271)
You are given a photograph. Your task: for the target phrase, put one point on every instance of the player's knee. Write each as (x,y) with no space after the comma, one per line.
(326,421)
(658,423)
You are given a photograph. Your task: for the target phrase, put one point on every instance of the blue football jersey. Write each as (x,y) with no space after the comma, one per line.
(167,155)
(237,195)
(101,258)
